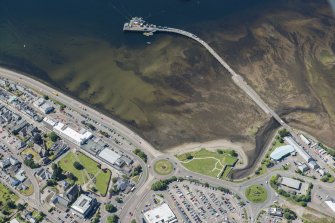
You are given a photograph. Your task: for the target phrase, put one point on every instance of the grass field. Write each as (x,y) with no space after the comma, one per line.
(208,162)
(163,167)
(91,168)
(256,193)
(27,151)
(6,194)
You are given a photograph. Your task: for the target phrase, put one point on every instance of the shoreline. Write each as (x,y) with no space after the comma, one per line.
(213,145)
(244,150)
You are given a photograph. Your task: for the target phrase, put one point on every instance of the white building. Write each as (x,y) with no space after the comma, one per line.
(83,205)
(109,155)
(304,139)
(331,205)
(43,106)
(161,214)
(298,148)
(78,138)
(49,121)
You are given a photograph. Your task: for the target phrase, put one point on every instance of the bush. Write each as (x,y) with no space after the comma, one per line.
(159,185)
(189,156)
(78,165)
(113,219)
(110,208)
(53,136)
(141,154)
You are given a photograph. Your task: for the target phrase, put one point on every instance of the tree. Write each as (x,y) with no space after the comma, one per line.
(114,180)
(284,133)
(51,182)
(53,136)
(189,156)
(233,153)
(78,165)
(110,208)
(10,204)
(57,172)
(20,207)
(113,219)
(38,139)
(46,97)
(133,221)
(72,177)
(119,200)
(31,163)
(159,185)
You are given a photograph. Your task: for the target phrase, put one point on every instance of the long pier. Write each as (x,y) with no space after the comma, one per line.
(139,25)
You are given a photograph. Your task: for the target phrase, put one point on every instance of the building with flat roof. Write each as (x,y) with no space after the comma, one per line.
(298,148)
(109,155)
(160,214)
(72,135)
(331,204)
(84,205)
(291,183)
(313,164)
(304,139)
(303,167)
(281,152)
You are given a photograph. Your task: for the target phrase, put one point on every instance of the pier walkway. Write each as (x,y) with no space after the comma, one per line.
(139,25)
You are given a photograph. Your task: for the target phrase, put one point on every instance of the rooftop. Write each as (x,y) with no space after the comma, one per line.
(109,155)
(281,152)
(292,183)
(82,204)
(161,214)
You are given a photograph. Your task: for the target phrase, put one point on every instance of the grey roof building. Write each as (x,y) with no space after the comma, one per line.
(291,183)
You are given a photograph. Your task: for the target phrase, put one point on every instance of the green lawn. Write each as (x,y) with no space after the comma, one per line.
(207,162)
(90,166)
(256,193)
(6,194)
(66,163)
(163,167)
(204,166)
(102,182)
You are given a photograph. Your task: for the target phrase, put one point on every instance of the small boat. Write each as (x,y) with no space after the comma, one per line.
(148,34)
(148,43)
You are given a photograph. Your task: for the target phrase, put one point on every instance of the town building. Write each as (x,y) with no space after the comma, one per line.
(78,138)
(298,148)
(313,164)
(274,211)
(331,204)
(109,156)
(304,139)
(160,214)
(83,206)
(303,168)
(291,183)
(282,152)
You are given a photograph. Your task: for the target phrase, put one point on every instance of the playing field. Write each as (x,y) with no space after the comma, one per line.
(90,171)
(256,193)
(206,162)
(163,167)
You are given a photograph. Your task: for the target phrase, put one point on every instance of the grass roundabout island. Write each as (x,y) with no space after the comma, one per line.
(163,167)
(256,193)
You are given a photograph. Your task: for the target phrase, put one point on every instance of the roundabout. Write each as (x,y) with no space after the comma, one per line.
(256,193)
(163,167)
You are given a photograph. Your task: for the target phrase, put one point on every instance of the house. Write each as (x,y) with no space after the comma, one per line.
(5,163)
(43,174)
(14,182)
(121,184)
(303,168)
(20,176)
(60,202)
(72,193)
(13,161)
(274,211)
